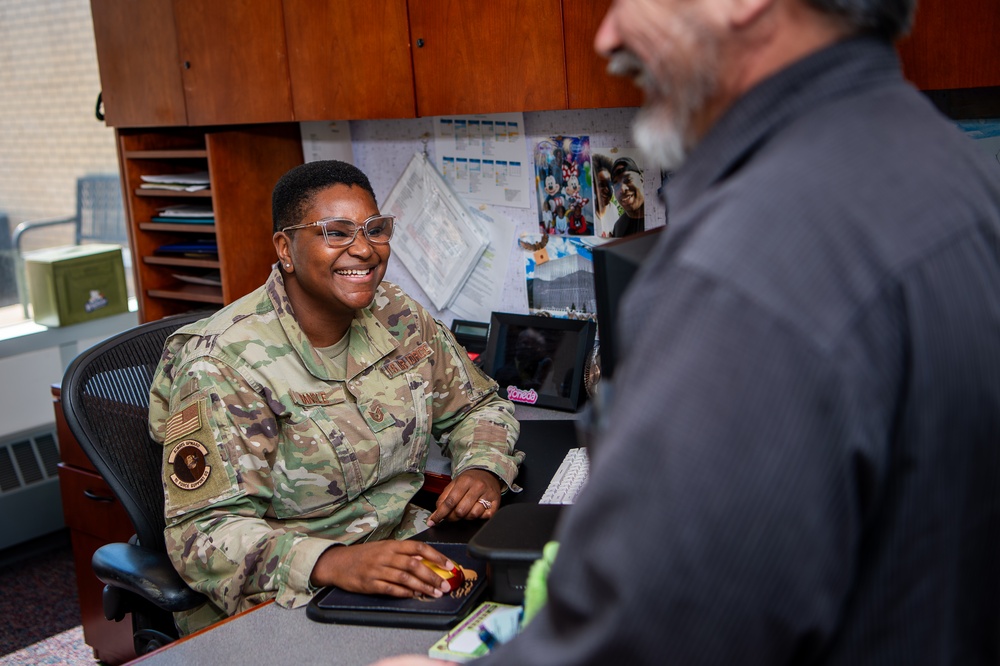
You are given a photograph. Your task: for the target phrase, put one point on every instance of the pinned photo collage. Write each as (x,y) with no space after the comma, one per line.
(586,197)
(587,191)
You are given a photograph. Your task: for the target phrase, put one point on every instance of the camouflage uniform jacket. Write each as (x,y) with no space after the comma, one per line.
(268,458)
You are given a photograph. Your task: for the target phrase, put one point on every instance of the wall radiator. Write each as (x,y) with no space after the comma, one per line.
(30,505)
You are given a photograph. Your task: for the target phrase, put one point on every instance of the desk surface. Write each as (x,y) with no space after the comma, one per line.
(294,638)
(289,637)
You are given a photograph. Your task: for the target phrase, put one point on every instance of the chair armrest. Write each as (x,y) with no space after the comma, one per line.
(146,573)
(19,230)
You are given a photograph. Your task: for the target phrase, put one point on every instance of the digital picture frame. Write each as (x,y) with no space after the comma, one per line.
(539,360)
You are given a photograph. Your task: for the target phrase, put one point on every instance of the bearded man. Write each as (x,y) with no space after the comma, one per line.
(801,460)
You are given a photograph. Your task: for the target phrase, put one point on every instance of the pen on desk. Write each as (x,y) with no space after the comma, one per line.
(487,637)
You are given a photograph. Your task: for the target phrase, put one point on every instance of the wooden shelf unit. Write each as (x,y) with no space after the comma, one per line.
(243,163)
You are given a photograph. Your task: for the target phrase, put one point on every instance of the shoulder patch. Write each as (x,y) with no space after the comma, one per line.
(183,423)
(190,467)
(193,469)
(403,363)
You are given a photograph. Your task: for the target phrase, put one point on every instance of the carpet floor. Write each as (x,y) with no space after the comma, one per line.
(38,601)
(65,649)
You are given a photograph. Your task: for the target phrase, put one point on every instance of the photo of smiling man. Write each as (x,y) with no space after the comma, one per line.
(626,180)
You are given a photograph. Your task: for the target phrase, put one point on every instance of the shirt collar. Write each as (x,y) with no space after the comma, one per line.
(370,341)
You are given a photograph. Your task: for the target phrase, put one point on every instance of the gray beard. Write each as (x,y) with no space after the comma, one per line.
(662,128)
(659,127)
(661,140)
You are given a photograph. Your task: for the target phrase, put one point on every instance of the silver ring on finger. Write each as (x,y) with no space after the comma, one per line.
(486,503)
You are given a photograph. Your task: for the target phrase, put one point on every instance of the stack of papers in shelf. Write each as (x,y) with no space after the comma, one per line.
(212,279)
(195,248)
(185,214)
(181,182)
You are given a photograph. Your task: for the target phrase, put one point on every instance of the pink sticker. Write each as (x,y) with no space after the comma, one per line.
(515,394)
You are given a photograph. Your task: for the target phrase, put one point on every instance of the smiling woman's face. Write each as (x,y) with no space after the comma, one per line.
(336,280)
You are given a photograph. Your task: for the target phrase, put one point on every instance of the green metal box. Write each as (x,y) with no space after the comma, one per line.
(76,283)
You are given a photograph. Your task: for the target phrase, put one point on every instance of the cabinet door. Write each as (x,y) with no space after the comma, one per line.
(349,59)
(487,57)
(234,62)
(588,83)
(137,57)
(953,45)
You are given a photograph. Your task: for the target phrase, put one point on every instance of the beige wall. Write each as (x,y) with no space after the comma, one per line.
(48,90)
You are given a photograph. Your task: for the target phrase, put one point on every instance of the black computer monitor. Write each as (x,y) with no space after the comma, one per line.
(615,263)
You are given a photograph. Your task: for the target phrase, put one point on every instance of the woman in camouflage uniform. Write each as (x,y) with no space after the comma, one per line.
(296,421)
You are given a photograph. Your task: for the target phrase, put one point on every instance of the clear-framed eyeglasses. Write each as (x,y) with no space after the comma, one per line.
(341,232)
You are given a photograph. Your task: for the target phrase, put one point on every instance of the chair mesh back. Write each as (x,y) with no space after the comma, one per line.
(105,395)
(100,210)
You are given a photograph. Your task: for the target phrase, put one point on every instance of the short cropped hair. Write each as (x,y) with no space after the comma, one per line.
(888,19)
(294,192)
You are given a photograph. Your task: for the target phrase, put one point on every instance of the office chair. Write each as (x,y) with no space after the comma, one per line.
(105,397)
(100,217)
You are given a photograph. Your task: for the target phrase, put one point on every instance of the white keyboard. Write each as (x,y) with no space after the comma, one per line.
(569,479)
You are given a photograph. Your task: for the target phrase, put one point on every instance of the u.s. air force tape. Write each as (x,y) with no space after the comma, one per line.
(191,471)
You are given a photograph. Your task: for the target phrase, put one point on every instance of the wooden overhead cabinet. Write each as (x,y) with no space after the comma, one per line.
(349,60)
(953,45)
(588,83)
(192,62)
(487,57)
(234,62)
(137,55)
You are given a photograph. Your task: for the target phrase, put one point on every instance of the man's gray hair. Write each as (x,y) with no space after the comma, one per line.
(889,19)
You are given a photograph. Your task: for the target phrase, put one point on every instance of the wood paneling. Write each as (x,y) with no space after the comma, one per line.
(954,44)
(245,164)
(487,57)
(349,60)
(588,83)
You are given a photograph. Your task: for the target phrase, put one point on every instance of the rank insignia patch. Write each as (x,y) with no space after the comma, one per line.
(378,416)
(191,471)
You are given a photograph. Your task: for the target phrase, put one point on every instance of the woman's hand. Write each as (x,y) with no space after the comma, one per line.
(389,567)
(475,493)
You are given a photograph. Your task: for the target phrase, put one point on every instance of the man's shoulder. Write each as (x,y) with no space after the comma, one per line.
(831,208)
